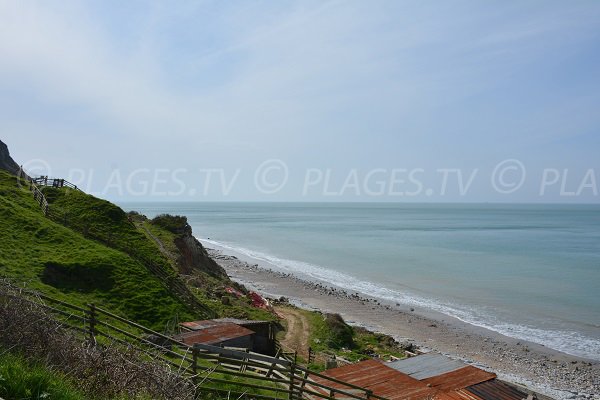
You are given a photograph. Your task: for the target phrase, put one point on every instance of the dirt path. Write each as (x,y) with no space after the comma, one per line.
(297,335)
(159,243)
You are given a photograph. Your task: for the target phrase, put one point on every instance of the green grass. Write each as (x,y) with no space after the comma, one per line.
(22,380)
(101,220)
(64,264)
(91,251)
(238,308)
(167,238)
(364,345)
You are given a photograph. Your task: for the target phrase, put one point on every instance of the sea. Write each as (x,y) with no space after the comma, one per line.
(528,271)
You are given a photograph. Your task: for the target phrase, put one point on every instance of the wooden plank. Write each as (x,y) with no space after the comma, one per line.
(149,353)
(250,385)
(153,345)
(242,355)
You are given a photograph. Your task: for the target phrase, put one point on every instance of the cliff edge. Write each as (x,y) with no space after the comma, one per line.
(191,254)
(6,161)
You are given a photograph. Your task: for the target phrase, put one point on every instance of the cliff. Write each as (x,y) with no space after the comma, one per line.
(194,256)
(6,161)
(191,255)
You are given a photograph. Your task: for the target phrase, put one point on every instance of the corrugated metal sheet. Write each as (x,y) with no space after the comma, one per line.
(495,390)
(214,334)
(459,379)
(426,365)
(383,381)
(463,394)
(196,325)
(243,322)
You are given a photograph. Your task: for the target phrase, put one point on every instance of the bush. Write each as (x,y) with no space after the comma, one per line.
(136,216)
(103,371)
(342,334)
(173,223)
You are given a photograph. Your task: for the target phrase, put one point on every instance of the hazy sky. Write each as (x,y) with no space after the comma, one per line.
(325,100)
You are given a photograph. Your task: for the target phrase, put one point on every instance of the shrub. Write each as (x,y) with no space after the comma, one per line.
(341,333)
(102,371)
(173,223)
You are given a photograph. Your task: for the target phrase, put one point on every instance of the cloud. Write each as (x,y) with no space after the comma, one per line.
(259,79)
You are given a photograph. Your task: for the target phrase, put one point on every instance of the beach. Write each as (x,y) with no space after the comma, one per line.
(550,372)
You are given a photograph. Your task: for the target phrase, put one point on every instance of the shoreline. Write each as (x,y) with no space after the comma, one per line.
(542,369)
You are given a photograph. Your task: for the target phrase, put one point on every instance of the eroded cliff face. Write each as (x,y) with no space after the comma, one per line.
(6,161)
(193,256)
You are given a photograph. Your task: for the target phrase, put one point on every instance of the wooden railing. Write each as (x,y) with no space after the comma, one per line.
(236,373)
(38,196)
(54,182)
(34,187)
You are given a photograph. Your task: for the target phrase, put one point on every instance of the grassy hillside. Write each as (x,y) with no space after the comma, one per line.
(103,221)
(20,379)
(90,250)
(66,264)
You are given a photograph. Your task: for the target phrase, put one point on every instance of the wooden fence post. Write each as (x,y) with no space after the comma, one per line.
(92,326)
(195,363)
(291,388)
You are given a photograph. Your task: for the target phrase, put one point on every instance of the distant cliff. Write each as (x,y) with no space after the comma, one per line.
(194,256)
(191,254)
(6,161)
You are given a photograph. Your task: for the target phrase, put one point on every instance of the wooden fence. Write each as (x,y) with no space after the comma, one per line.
(54,182)
(228,371)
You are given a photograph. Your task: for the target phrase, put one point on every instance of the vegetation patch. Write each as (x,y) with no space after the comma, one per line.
(341,334)
(20,379)
(44,350)
(177,224)
(331,337)
(73,276)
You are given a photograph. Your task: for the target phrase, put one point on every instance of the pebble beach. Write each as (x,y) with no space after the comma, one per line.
(552,373)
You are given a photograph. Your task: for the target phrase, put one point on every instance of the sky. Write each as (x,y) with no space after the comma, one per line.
(420,101)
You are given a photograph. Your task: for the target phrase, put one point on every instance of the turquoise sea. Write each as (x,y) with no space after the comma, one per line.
(528,271)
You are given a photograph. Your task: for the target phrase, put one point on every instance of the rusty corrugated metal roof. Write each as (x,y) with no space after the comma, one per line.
(459,379)
(426,365)
(196,325)
(214,333)
(383,381)
(495,390)
(243,322)
(460,394)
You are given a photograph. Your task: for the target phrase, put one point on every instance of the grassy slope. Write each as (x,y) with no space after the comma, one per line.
(365,343)
(63,263)
(21,380)
(206,287)
(100,219)
(25,380)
